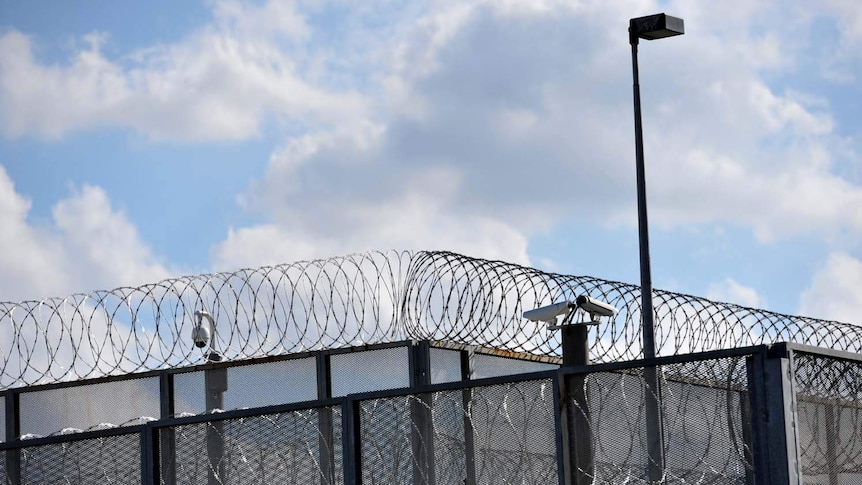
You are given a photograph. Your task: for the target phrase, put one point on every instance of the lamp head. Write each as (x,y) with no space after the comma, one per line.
(656,26)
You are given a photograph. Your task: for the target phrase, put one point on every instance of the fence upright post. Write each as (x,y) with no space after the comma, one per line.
(576,423)
(166,436)
(149,455)
(466,406)
(773,416)
(351,444)
(324,423)
(422,430)
(13,433)
(215,383)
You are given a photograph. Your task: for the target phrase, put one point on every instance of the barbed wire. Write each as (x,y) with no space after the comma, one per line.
(360,299)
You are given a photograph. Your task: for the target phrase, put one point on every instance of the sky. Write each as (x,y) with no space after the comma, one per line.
(144,140)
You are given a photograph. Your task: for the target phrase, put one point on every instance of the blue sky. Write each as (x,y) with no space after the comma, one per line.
(140,141)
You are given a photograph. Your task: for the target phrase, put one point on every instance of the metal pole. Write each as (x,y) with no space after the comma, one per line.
(655,438)
(13,433)
(167,436)
(469,442)
(326,441)
(421,417)
(576,352)
(216,384)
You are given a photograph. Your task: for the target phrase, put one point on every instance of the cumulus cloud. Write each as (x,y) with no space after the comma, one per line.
(731,291)
(104,244)
(219,83)
(474,126)
(31,260)
(520,115)
(834,291)
(87,245)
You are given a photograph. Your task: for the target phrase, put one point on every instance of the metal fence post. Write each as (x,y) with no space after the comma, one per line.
(149,455)
(577,424)
(469,439)
(324,423)
(13,433)
(166,436)
(215,383)
(351,444)
(422,431)
(773,417)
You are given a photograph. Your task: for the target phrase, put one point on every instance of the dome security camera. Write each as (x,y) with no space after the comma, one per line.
(200,336)
(203,335)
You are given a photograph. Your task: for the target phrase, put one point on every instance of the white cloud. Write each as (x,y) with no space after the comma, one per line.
(835,290)
(472,126)
(89,245)
(219,83)
(105,245)
(518,116)
(731,291)
(31,259)
(414,222)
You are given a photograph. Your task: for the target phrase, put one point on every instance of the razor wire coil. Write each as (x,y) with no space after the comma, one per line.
(360,299)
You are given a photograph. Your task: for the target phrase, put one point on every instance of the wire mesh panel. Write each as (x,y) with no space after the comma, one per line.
(500,434)
(705,424)
(114,460)
(829,419)
(445,365)
(483,365)
(297,447)
(514,433)
(87,406)
(386,431)
(250,386)
(615,417)
(370,370)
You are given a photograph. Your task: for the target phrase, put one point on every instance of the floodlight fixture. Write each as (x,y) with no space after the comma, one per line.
(654,27)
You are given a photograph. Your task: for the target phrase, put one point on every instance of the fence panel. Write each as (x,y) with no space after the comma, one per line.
(704,424)
(829,419)
(494,434)
(111,459)
(295,447)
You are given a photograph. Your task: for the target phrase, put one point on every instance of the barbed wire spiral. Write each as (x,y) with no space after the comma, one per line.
(360,299)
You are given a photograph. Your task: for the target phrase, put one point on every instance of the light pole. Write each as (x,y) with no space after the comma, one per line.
(650,27)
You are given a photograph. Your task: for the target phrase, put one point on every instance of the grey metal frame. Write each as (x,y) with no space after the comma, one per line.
(769,404)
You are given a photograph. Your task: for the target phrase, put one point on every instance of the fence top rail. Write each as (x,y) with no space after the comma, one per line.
(59,438)
(695,357)
(826,352)
(361,299)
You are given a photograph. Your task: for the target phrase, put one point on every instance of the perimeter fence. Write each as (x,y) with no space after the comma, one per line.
(753,415)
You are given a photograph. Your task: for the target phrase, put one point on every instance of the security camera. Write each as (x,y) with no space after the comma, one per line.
(202,334)
(595,307)
(549,313)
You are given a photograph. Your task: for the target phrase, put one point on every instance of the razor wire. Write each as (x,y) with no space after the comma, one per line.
(360,299)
